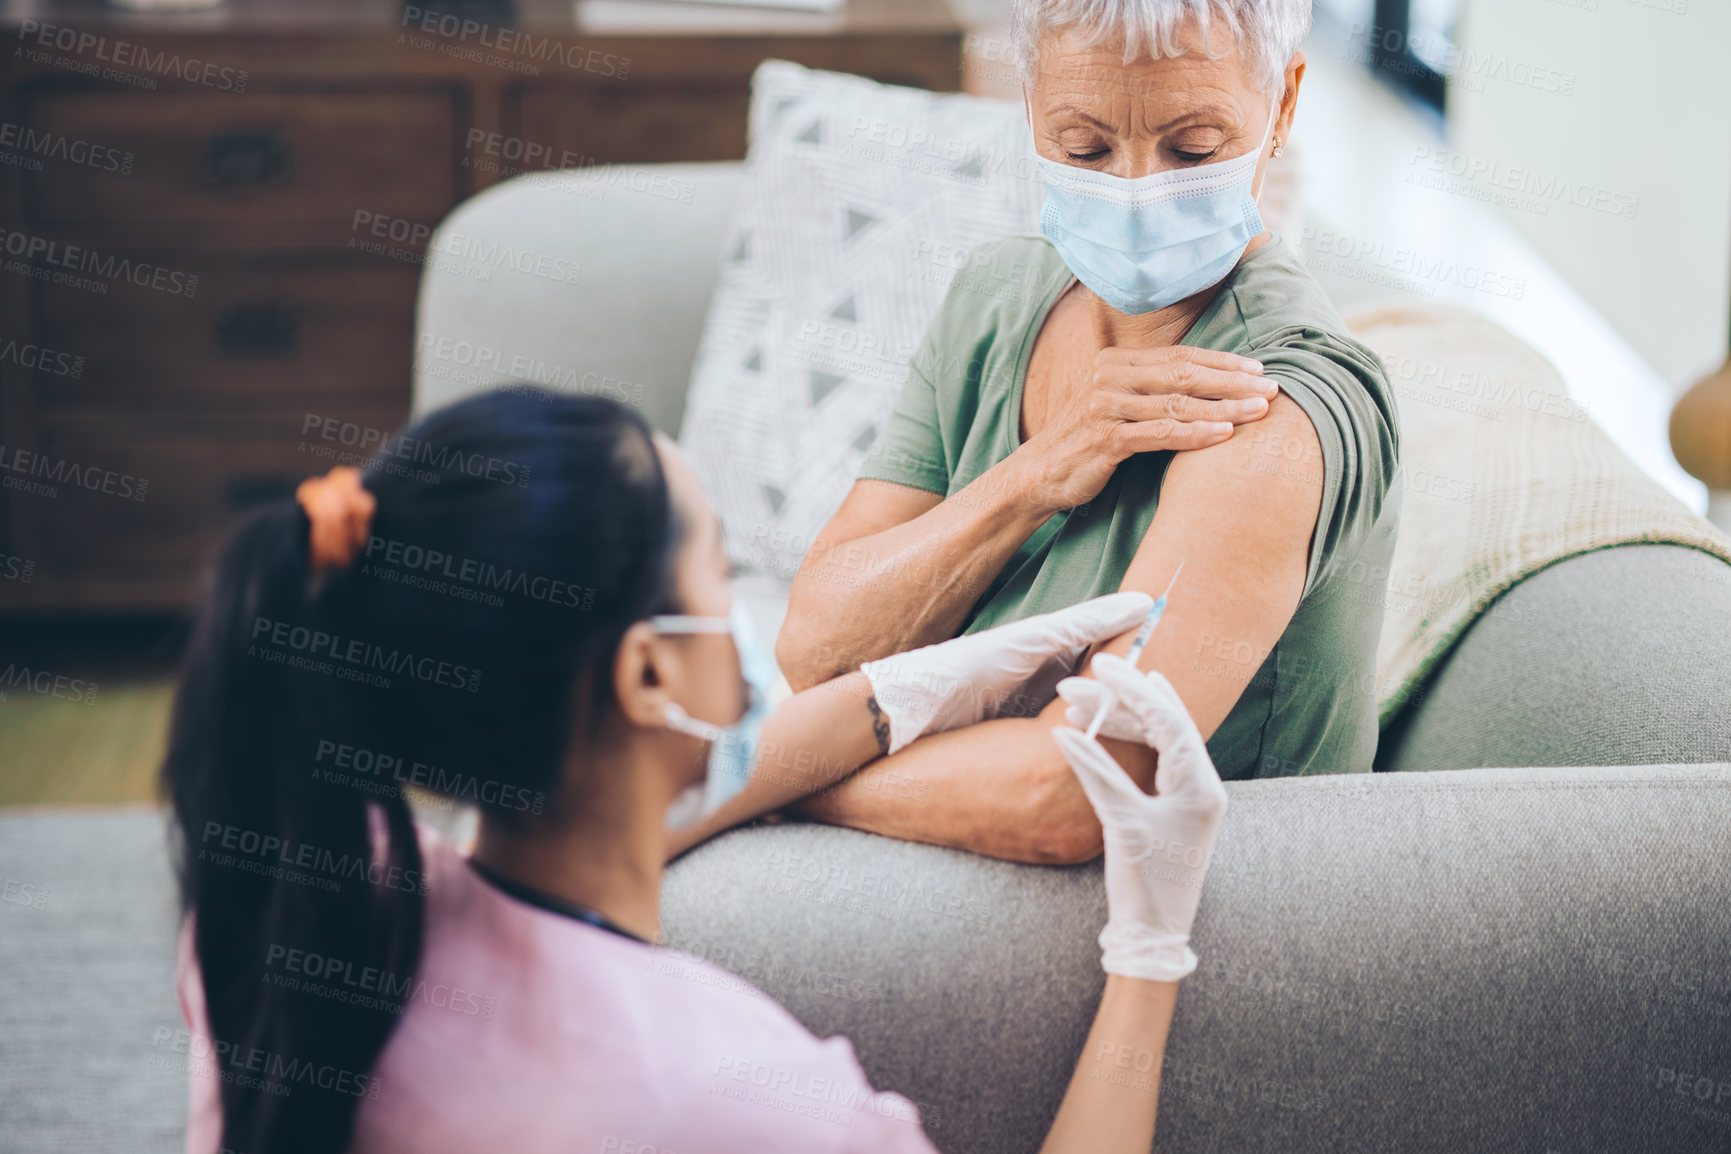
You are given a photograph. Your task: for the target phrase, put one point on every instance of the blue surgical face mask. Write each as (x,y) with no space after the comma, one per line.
(733,748)
(1142,244)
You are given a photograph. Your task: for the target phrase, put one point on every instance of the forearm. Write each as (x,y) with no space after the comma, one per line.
(910,585)
(999,788)
(1110,1104)
(814,739)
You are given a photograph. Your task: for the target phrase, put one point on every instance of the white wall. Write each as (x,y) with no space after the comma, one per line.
(1621,99)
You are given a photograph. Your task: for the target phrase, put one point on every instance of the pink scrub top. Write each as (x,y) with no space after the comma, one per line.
(530,1031)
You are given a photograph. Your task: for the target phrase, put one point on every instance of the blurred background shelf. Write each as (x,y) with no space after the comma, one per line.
(274,168)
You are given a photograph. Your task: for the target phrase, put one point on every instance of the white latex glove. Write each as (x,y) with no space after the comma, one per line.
(1085,696)
(1011,670)
(1157,846)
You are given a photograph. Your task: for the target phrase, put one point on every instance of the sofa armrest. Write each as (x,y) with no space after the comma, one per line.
(594,280)
(1615,657)
(1495,959)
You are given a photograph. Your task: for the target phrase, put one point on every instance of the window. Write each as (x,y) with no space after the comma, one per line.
(1413,44)
(1351,13)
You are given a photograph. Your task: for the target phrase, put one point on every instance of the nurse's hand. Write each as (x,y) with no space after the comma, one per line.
(1142,401)
(1157,846)
(1012,670)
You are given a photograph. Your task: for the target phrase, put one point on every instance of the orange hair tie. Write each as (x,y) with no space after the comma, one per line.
(341,512)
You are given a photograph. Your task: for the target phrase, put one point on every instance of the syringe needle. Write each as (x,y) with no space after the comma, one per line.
(1137,645)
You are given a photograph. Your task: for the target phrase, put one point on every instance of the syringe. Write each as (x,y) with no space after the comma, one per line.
(1137,645)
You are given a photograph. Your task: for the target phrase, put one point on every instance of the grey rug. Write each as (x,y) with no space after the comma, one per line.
(87,917)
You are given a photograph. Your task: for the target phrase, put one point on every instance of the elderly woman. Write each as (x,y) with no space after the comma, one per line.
(1056,444)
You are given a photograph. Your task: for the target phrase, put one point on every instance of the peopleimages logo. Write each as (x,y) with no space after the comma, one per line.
(41,359)
(367,987)
(124,54)
(258,1069)
(482,574)
(46,684)
(356,656)
(354,766)
(506,42)
(799,1086)
(71,258)
(269,855)
(22,893)
(43,469)
(382,443)
(1515,186)
(54,146)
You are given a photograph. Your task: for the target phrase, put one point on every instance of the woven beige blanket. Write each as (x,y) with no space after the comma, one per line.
(1504,474)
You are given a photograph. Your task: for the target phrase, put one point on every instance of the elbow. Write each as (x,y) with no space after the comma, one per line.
(1062,828)
(799,659)
(1068,842)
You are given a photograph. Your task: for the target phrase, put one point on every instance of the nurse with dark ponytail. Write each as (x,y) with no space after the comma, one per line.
(523,605)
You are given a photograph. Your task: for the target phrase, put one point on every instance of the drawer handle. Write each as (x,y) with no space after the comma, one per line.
(249,490)
(245,157)
(269,329)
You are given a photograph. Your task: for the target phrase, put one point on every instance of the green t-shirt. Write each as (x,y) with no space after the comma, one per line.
(1311,706)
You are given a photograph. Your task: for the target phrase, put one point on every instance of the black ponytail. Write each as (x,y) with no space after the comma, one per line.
(517,536)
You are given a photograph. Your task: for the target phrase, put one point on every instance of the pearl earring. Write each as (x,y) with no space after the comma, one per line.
(1278,147)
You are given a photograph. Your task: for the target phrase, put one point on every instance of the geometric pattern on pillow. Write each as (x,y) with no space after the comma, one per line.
(861,202)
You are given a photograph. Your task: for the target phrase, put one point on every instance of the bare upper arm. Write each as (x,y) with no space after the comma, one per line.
(1240,516)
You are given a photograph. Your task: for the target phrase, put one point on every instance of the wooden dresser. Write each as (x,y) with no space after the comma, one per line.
(212,228)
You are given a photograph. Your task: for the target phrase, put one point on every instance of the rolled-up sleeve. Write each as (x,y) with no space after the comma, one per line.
(1341,387)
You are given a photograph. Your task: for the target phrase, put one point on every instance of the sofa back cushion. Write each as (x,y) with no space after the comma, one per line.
(861,201)
(1503,474)
(1616,657)
(645,240)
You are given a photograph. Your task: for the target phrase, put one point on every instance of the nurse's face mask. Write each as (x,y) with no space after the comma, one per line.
(733,748)
(1145,243)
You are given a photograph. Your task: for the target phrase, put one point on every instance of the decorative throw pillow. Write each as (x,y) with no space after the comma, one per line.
(861,202)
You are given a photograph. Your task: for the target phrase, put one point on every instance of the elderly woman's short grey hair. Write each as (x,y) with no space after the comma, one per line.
(1267,32)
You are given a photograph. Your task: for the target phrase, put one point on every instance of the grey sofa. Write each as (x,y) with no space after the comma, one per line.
(1509,960)
(1472,959)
